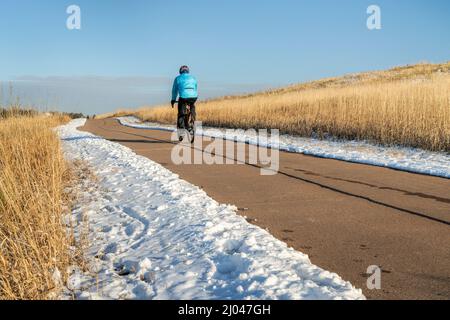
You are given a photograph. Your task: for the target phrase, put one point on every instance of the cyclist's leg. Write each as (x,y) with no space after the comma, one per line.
(181,113)
(192,104)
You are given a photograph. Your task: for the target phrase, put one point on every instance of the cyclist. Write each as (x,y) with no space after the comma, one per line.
(184,86)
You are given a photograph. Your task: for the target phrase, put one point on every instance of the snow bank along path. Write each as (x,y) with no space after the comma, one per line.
(399,158)
(155,236)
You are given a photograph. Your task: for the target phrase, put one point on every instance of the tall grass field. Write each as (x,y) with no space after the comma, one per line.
(34,242)
(407,106)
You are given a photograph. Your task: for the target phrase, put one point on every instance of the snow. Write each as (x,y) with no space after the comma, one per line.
(399,158)
(155,236)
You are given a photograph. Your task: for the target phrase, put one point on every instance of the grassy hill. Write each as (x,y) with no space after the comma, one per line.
(407,106)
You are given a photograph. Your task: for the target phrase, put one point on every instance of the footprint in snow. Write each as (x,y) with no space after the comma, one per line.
(125,268)
(232,246)
(106,229)
(109,208)
(232,264)
(129,230)
(111,248)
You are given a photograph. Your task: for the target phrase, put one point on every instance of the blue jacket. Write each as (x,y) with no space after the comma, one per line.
(185,86)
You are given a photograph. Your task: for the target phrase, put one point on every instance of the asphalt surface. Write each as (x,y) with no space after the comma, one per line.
(345,216)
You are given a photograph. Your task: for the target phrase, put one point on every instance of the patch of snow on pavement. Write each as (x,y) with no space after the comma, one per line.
(155,236)
(400,158)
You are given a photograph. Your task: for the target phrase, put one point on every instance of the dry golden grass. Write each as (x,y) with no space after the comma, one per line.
(407,106)
(34,241)
(16,111)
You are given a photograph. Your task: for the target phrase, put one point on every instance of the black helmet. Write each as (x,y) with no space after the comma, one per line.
(184,69)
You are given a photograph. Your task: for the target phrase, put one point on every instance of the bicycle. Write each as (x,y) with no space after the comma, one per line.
(189,129)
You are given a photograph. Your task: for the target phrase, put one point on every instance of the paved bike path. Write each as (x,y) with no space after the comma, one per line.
(345,216)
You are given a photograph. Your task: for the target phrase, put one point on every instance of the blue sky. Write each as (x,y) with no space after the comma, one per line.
(128,51)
